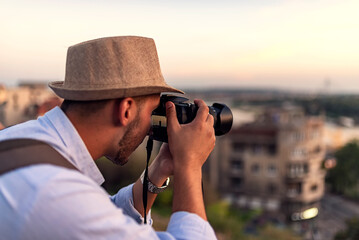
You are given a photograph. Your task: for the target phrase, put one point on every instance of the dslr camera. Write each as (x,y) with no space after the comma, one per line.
(186,112)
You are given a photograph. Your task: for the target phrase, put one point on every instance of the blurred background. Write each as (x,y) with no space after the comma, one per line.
(289,70)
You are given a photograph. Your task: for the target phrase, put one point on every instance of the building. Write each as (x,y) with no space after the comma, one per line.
(273,163)
(25,102)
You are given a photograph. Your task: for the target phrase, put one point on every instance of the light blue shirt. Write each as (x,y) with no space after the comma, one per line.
(51,202)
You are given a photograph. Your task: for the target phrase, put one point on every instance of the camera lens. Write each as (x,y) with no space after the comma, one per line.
(223,118)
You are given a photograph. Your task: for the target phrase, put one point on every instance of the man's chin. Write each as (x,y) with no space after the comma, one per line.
(117,160)
(122,162)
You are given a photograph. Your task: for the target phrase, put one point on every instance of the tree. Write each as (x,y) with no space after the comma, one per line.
(344,178)
(352,231)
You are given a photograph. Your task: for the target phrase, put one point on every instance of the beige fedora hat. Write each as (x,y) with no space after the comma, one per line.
(113,67)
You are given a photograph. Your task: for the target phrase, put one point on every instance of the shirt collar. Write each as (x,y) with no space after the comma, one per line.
(73,145)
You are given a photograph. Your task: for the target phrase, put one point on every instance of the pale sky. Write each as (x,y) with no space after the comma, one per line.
(293,44)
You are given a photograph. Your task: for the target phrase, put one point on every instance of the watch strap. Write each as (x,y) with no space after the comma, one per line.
(152,187)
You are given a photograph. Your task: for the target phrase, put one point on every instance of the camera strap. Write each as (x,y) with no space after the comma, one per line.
(19,153)
(149,147)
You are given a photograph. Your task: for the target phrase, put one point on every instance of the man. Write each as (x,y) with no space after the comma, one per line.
(111,87)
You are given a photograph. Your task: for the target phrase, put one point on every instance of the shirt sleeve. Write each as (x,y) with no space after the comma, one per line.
(185,225)
(72,206)
(124,200)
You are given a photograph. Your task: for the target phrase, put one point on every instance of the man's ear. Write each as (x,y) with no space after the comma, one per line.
(125,111)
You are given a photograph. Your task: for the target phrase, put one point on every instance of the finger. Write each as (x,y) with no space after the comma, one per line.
(203,110)
(164,150)
(172,121)
(164,147)
(210,120)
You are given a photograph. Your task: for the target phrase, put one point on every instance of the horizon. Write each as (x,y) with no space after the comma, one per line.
(209,88)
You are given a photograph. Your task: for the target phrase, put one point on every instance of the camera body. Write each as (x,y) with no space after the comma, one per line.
(186,112)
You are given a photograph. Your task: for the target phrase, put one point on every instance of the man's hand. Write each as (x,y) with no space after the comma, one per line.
(162,165)
(190,145)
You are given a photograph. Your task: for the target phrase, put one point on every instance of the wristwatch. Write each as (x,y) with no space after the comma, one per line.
(152,187)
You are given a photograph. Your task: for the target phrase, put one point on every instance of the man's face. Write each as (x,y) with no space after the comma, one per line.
(136,131)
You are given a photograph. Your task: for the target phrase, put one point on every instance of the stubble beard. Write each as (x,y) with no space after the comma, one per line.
(128,144)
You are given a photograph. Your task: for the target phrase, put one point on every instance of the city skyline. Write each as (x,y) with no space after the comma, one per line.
(291,45)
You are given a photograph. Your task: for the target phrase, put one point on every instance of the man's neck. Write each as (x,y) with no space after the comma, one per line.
(93,134)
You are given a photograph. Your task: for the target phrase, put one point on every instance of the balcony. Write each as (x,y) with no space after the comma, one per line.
(292,194)
(297,171)
(290,177)
(235,172)
(294,190)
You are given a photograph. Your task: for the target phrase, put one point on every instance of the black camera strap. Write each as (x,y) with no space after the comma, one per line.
(149,147)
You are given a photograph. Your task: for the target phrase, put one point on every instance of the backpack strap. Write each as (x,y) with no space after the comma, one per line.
(18,153)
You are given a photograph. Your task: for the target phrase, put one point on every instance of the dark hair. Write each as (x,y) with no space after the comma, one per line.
(84,107)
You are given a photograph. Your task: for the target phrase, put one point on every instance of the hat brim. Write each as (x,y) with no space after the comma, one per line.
(102,94)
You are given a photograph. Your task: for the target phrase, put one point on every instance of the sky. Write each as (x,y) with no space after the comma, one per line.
(306,45)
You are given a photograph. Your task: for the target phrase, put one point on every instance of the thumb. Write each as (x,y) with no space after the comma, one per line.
(172,121)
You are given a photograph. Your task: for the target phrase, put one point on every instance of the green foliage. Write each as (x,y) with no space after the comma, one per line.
(270,232)
(344,178)
(352,231)
(222,219)
(333,106)
(336,106)
(165,198)
(230,223)
(163,203)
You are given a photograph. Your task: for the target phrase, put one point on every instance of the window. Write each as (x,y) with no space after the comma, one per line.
(315,133)
(237,164)
(317,149)
(272,170)
(298,136)
(255,168)
(238,147)
(297,169)
(298,152)
(236,183)
(272,189)
(305,167)
(272,149)
(257,149)
(314,188)
(294,189)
